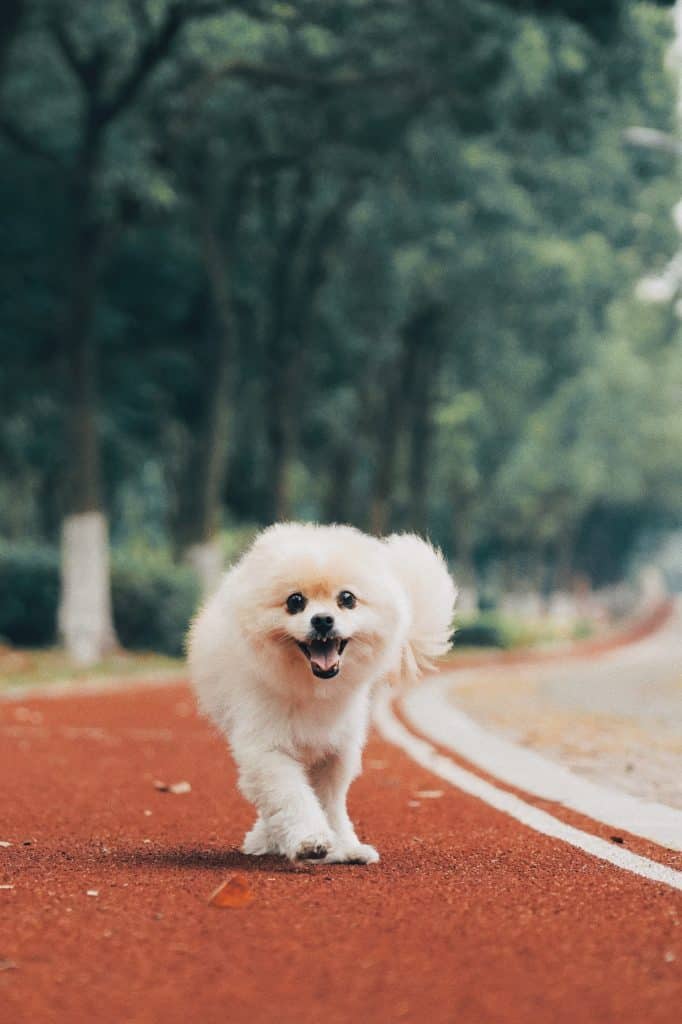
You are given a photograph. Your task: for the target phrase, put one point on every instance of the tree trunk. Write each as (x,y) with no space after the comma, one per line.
(299,271)
(421,377)
(337,504)
(280,434)
(392,418)
(382,491)
(207,560)
(284,352)
(206,468)
(11,13)
(563,559)
(85,616)
(388,426)
(462,536)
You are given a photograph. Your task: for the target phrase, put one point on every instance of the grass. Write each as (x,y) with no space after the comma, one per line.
(26,667)
(29,666)
(496,631)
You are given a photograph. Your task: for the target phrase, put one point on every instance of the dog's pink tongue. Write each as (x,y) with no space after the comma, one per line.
(325,656)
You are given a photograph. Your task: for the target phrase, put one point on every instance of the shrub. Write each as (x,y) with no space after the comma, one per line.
(29,594)
(483,631)
(235,540)
(493,629)
(153,604)
(153,599)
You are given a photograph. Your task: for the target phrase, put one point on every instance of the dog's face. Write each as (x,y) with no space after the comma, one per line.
(318,603)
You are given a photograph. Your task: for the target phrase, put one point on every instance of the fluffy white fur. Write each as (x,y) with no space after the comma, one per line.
(297,739)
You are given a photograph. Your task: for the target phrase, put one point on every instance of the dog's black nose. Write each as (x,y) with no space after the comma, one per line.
(323,624)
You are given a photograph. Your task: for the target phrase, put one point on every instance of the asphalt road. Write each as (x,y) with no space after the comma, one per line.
(613,717)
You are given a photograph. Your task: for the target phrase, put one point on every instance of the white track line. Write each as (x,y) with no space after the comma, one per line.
(430,710)
(427,756)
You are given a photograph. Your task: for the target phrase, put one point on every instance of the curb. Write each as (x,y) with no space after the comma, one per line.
(92,687)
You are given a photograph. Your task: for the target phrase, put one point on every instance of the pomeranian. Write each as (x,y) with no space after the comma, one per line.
(284,658)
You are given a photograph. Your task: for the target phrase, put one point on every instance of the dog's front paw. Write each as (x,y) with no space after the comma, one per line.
(312,847)
(258,842)
(352,853)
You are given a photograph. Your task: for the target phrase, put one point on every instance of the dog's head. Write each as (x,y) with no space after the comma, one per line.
(317,602)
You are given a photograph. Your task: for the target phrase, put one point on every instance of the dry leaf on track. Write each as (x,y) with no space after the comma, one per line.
(235,891)
(173,787)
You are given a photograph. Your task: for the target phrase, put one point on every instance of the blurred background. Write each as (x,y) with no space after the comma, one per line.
(404,265)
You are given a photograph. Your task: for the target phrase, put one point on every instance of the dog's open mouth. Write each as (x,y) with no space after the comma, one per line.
(324,655)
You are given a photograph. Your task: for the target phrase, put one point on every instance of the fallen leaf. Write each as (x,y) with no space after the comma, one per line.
(4,844)
(234,892)
(6,886)
(429,794)
(92,892)
(173,787)
(180,787)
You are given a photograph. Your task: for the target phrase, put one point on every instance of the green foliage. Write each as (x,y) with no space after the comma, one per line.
(491,629)
(153,604)
(235,540)
(153,599)
(29,594)
(483,631)
(415,231)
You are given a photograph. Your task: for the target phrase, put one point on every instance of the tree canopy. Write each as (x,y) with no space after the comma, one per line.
(357,261)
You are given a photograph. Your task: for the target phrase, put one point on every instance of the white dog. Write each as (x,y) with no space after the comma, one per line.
(284,658)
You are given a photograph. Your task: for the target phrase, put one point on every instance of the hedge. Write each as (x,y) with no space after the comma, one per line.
(152,602)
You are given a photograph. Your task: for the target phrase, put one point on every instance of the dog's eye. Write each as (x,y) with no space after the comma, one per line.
(346,599)
(296,603)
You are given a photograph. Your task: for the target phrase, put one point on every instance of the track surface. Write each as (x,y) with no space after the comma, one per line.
(470,917)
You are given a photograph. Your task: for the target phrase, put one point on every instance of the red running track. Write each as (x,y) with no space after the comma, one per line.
(470,917)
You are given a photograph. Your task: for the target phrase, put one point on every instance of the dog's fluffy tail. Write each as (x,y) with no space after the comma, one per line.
(423,572)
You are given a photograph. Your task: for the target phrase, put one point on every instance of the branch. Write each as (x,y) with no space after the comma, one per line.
(81,67)
(155,48)
(11,15)
(18,137)
(316,269)
(151,53)
(140,14)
